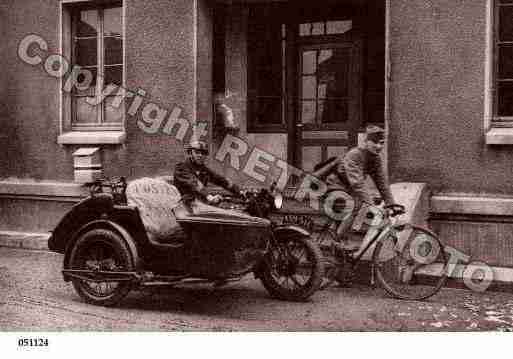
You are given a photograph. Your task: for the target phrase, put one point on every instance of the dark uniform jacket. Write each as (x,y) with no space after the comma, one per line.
(192,179)
(350,173)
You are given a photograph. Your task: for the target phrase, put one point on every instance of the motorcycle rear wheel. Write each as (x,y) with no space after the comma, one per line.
(104,250)
(293,268)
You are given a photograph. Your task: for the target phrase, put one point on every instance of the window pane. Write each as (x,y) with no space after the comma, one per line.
(309,84)
(505,61)
(87,23)
(338,27)
(114,75)
(112,19)
(309,62)
(267,110)
(113,50)
(506,1)
(85,113)
(114,109)
(505,93)
(304,29)
(321,91)
(506,23)
(333,111)
(86,52)
(333,72)
(318,28)
(325,55)
(308,111)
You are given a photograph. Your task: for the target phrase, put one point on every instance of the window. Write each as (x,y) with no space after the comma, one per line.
(95,43)
(503,64)
(266,70)
(325,28)
(324,76)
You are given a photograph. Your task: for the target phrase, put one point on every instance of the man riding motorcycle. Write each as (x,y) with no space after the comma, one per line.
(192,177)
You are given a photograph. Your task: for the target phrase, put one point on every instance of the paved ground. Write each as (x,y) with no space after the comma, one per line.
(34,297)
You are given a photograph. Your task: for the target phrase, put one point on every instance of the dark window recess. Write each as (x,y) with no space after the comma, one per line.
(219,66)
(504,62)
(266,43)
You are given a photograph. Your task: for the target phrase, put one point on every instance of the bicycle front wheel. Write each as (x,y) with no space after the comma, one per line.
(412,265)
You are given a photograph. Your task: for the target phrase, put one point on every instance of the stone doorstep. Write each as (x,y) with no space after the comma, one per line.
(38,241)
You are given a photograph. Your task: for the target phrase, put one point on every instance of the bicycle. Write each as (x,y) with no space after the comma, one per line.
(408,261)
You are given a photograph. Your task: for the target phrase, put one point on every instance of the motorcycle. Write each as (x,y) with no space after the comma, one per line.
(107,250)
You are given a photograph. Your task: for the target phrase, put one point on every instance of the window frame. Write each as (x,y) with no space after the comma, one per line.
(69,9)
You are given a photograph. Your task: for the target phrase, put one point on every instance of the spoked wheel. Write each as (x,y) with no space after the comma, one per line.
(293,268)
(105,251)
(411,267)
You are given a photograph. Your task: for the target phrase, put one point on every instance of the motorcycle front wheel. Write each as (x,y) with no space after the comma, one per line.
(293,268)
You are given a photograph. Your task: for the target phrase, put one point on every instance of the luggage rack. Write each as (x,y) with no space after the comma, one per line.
(116,186)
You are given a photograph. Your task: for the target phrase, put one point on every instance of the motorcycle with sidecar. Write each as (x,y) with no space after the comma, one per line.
(107,250)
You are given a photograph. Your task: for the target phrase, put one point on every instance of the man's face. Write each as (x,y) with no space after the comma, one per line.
(198,156)
(374,147)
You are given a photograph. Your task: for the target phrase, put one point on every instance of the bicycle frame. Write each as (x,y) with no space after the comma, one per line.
(387,228)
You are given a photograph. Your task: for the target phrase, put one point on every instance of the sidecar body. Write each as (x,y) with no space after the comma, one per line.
(208,245)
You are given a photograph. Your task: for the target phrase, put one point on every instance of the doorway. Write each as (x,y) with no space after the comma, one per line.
(329,100)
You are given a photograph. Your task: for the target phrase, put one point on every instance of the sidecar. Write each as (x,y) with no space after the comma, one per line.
(108,249)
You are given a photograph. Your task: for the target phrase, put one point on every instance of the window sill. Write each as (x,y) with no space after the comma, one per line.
(92,138)
(499,136)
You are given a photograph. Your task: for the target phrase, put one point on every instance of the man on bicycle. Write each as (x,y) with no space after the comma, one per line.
(348,173)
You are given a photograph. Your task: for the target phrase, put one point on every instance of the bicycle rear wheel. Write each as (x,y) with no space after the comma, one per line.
(411,266)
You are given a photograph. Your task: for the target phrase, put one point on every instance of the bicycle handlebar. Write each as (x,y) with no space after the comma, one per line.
(391,210)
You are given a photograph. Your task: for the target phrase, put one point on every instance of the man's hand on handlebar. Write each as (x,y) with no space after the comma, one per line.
(395,209)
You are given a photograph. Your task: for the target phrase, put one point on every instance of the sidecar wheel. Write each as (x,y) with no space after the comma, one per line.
(103,250)
(293,268)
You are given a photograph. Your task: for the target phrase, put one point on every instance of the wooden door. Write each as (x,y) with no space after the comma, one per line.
(329,101)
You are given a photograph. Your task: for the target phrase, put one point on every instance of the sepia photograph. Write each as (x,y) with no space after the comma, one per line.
(284,166)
